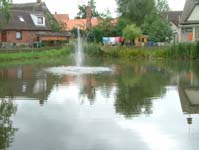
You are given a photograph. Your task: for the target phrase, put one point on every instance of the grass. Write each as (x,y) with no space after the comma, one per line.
(180,51)
(34,54)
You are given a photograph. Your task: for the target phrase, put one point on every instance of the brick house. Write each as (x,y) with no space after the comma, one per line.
(29,23)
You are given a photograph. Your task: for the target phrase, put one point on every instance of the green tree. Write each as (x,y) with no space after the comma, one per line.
(55,26)
(157,28)
(4,8)
(105,28)
(135,10)
(131,32)
(82,10)
(121,24)
(7,131)
(162,5)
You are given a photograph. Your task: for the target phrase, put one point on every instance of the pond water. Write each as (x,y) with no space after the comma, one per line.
(141,105)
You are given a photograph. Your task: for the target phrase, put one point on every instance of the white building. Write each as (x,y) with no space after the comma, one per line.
(189,24)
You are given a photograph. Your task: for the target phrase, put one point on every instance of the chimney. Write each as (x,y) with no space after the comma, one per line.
(39,1)
(55,13)
(88,17)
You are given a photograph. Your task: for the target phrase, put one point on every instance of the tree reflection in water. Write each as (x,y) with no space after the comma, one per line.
(137,87)
(7,131)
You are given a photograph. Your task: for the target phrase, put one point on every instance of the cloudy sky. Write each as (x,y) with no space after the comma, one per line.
(70,6)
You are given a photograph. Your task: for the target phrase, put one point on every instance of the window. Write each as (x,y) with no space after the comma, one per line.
(21,19)
(185,30)
(18,35)
(40,20)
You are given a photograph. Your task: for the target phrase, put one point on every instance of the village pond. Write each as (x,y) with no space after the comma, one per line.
(141,105)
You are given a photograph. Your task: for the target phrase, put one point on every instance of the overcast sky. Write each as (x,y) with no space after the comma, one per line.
(70,6)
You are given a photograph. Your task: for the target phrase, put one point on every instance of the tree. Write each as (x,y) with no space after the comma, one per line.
(82,10)
(157,28)
(7,131)
(162,5)
(105,28)
(131,32)
(135,10)
(4,8)
(121,24)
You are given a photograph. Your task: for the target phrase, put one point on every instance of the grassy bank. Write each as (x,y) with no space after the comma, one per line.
(180,51)
(34,54)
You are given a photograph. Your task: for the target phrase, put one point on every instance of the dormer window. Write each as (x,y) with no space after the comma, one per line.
(40,20)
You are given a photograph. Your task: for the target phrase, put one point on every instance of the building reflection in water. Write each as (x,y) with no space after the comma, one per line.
(189,97)
(25,81)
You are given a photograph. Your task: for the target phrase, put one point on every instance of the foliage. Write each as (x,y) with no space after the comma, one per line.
(105,28)
(82,10)
(162,6)
(83,33)
(122,23)
(157,28)
(7,110)
(55,26)
(97,34)
(135,52)
(4,9)
(184,50)
(93,49)
(135,10)
(134,95)
(131,32)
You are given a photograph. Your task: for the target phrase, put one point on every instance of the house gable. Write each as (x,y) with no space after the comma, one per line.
(194,16)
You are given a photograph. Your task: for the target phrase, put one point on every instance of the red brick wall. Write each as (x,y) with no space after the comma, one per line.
(27,37)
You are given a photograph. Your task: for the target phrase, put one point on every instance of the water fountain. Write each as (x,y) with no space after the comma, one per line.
(79,59)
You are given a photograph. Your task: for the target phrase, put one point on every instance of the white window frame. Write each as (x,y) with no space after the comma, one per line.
(18,35)
(35,18)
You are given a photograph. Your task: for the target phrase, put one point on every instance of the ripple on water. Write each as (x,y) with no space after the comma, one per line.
(75,70)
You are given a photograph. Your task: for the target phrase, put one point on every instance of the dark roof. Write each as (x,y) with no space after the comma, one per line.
(30,7)
(25,10)
(173,16)
(16,24)
(188,8)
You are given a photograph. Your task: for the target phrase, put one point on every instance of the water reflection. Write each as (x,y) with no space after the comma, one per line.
(7,131)
(25,81)
(138,86)
(144,105)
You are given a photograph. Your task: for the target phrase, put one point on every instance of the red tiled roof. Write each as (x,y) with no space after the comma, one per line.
(61,17)
(74,23)
(70,24)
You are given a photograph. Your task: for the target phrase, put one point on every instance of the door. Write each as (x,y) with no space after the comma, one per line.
(4,36)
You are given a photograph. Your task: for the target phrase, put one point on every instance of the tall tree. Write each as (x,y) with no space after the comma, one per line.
(4,8)
(135,10)
(131,32)
(82,10)
(157,28)
(162,5)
